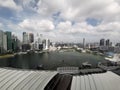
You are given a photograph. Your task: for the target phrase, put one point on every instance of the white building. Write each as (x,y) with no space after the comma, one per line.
(38,42)
(46,44)
(36,45)
(3,42)
(25,38)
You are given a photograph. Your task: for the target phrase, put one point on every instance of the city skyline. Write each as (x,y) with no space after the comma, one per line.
(28,37)
(67,21)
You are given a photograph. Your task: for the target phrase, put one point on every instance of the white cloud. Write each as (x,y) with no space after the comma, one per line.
(10,4)
(107,11)
(37,25)
(79,10)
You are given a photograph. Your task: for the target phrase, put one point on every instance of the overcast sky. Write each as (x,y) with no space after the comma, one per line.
(62,20)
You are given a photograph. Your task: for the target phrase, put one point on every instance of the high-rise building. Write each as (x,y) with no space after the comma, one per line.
(83,43)
(40,39)
(26,42)
(107,42)
(38,43)
(118,45)
(31,38)
(3,42)
(46,44)
(9,41)
(25,38)
(15,44)
(102,42)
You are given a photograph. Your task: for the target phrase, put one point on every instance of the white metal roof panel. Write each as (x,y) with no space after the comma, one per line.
(92,83)
(78,82)
(73,85)
(11,87)
(24,80)
(45,80)
(82,83)
(87,84)
(100,81)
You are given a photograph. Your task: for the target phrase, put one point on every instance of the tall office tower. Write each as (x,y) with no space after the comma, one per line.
(31,37)
(110,43)
(107,42)
(25,38)
(102,42)
(83,43)
(3,42)
(47,44)
(9,41)
(40,39)
(44,43)
(15,43)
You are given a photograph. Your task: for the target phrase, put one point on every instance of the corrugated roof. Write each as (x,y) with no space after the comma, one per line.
(24,79)
(13,79)
(101,81)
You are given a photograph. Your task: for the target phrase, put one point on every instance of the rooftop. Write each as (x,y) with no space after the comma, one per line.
(14,79)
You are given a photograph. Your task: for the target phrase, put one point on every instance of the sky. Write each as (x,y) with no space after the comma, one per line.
(62,20)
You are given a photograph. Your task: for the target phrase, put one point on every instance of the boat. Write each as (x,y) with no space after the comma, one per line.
(40,67)
(86,64)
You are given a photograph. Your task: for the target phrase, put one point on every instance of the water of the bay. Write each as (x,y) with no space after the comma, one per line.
(50,60)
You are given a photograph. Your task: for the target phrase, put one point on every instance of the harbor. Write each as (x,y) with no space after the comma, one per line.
(51,60)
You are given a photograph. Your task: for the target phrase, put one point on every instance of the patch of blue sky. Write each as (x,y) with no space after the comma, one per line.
(57,19)
(6,13)
(93,21)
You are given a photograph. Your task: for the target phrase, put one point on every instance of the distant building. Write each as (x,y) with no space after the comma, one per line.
(46,44)
(26,41)
(26,47)
(25,38)
(118,44)
(102,42)
(83,43)
(107,42)
(3,42)
(38,43)
(31,38)
(15,44)
(111,44)
(9,41)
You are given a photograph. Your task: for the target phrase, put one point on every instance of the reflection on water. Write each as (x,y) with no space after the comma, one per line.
(51,60)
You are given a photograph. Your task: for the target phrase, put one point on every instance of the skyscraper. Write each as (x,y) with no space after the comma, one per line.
(26,42)
(102,42)
(9,41)
(31,37)
(39,42)
(3,42)
(25,38)
(46,44)
(15,43)
(107,42)
(83,43)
